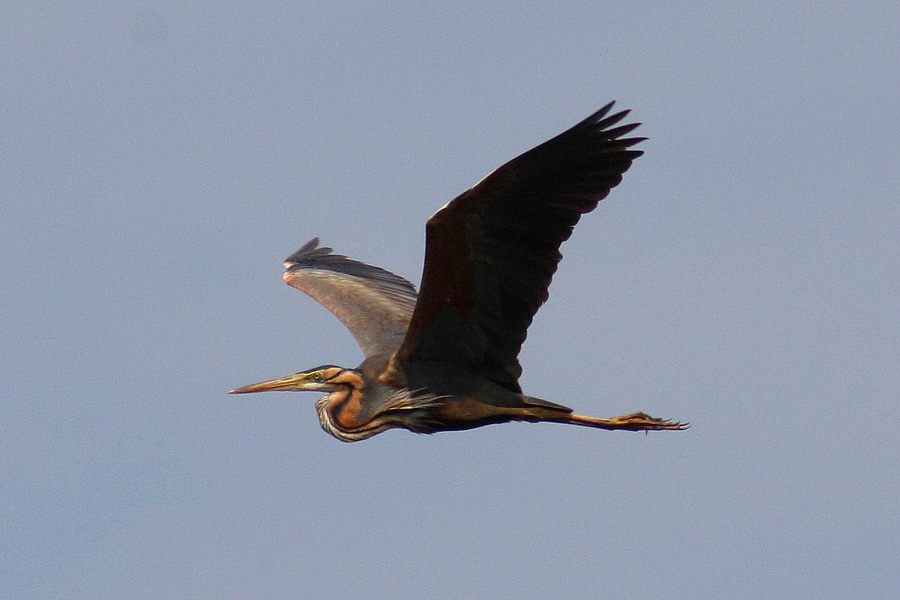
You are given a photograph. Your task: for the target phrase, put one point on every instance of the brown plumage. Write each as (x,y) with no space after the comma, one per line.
(447,358)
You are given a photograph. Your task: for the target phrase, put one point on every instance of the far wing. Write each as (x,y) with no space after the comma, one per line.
(491,252)
(374,304)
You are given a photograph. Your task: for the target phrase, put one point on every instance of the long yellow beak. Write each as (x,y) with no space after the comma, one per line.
(297,382)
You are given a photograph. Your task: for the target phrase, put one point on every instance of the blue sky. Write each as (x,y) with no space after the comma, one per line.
(160,160)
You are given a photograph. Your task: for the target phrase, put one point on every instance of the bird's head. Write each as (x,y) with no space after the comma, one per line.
(326,378)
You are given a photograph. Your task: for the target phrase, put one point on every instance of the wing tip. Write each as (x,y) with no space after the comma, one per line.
(602,123)
(310,247)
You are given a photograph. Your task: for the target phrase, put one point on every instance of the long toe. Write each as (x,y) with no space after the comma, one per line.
(639,421)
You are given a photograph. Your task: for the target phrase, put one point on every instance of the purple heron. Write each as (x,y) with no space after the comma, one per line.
(447,357)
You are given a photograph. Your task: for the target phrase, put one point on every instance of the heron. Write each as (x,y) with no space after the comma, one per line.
(446,358)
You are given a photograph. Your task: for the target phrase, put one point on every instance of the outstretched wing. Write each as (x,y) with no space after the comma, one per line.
(492,252)
(374,304)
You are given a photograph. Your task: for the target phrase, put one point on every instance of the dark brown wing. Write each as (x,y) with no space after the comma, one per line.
(491,252)
(374,304)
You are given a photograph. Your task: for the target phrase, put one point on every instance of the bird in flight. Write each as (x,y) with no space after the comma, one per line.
(446,358)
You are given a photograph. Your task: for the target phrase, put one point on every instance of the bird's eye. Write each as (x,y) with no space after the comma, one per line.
(316,375)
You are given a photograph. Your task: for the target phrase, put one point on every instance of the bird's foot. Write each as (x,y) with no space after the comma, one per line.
(639,421)
(633,422)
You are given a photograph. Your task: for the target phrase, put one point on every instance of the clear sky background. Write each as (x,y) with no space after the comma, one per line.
(160,159)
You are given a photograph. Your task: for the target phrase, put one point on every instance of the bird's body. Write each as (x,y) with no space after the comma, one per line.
(447,358)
